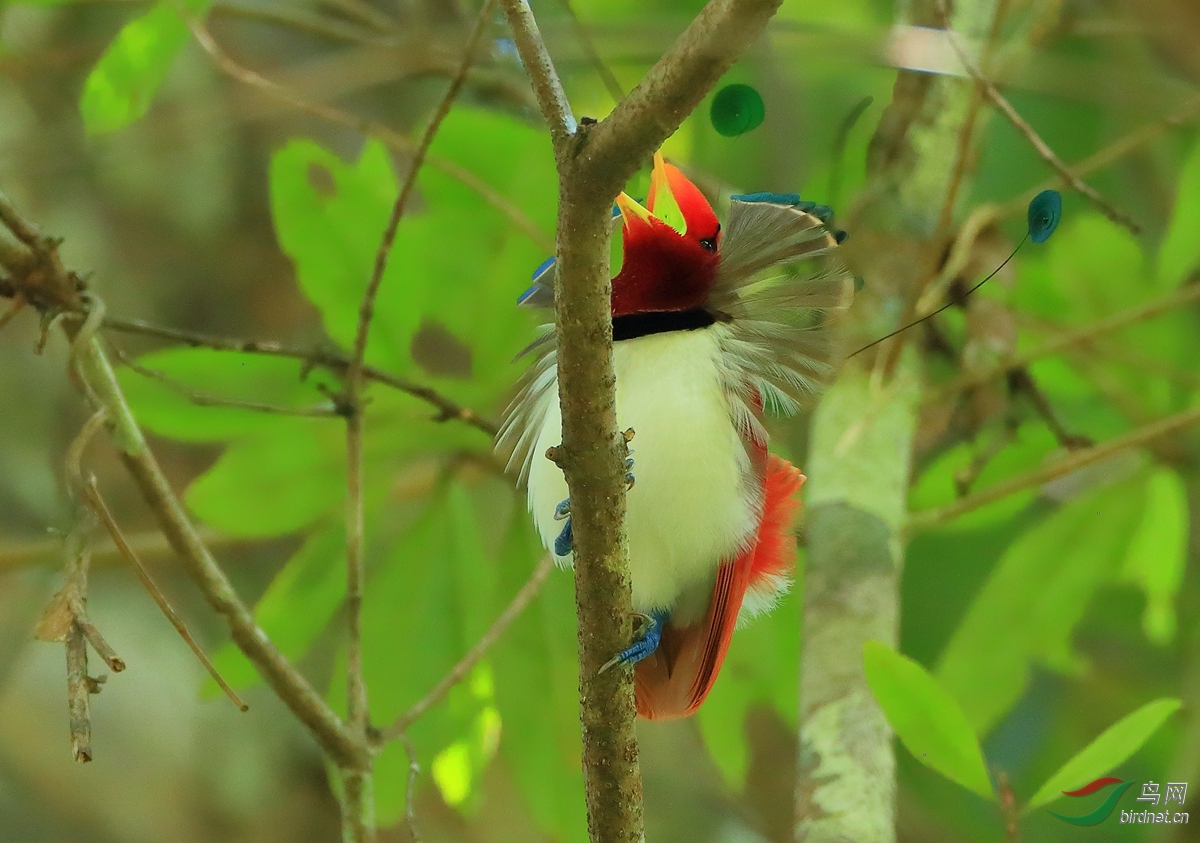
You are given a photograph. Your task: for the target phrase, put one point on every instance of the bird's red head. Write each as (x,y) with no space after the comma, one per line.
(670,246)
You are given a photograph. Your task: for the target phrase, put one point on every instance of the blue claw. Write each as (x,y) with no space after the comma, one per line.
(644,646)
(562,544)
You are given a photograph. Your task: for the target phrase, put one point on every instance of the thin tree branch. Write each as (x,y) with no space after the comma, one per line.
(672,89)
(929,518)
(65,616)
(547,87)
(18,555)
(410,789)
(40,277)
(386,135)
(114,530)
(1112,153)
(1040,146)
(589,49)
(203,399)
(333,360)
(367,308)
(1181,297)
(594,162)
(358,798)
(467,663)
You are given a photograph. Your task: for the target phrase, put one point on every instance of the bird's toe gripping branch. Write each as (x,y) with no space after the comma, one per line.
(644,646)
(562,512)
(562,544)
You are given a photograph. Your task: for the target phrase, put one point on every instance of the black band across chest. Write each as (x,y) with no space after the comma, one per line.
(660,322)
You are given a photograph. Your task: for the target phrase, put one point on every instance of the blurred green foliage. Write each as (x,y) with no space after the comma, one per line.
(1002,603)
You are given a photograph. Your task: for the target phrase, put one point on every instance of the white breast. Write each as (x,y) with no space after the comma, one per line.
(693,505)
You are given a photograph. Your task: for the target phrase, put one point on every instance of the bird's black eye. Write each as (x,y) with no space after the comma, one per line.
(709,244)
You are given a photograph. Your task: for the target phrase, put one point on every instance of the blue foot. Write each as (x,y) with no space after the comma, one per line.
(562,512)
(644,646)
(562,544)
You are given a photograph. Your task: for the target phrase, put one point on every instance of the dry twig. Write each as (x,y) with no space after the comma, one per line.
(357,792)
(36,272)
(96,500)
(65,617)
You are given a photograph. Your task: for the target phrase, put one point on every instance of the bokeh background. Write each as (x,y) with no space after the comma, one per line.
(227,211)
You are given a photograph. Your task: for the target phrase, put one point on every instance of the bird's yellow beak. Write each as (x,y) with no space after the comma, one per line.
(661,203)
(632,211)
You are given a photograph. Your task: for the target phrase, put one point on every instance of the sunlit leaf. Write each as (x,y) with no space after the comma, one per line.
(1034,598)
(122,85)
(458,769)
(1117,743)
(1157,554)
(1179,254)
(167,410)
(926,717)
(329,218)
(276,483)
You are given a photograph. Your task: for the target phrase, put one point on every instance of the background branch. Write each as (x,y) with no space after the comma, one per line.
(926,519)
(358,809)
(40,277)
(335,361)
(519,603)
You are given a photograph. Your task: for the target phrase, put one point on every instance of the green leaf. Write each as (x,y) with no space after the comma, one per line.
(1033,599)
(1157,554)
(1179,254)
(296,607)
(329,218)
(926,718)
(457,265)
(276,483)
(413,632)
(122,85)
(537,680)
(166,410)
(936,486)
(1117,743)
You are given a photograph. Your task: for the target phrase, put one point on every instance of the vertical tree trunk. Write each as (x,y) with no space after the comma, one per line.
(861,451)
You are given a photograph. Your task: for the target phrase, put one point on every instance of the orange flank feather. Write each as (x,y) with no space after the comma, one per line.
(675,679)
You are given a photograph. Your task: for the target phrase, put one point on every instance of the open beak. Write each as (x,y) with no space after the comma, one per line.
(632,211)
(661,199)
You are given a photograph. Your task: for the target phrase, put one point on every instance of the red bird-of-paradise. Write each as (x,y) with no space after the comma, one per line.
(711,327)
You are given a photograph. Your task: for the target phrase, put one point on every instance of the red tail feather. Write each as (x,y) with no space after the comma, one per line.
(675,680)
